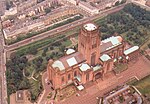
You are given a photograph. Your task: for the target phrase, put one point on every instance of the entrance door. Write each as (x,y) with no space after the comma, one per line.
(98,75)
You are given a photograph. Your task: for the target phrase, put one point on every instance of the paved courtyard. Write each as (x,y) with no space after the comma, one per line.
(140,68)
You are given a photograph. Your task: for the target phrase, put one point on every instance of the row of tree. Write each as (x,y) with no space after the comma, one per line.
(132,20)
(14,74)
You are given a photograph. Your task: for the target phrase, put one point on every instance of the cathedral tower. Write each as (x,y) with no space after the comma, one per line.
(89,43)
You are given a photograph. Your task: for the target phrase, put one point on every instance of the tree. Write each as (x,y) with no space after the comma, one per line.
(62,48)
(45,49)
(117,3)
(47,58)
(43,54)
(51,48)
(24,84)
(47,10)
(123,1)
(32,50)
(34,18)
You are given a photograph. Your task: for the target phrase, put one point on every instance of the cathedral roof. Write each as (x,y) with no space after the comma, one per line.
(97,67)
(105,57)
(70,51)
(58,64)
(68,61)
(71,61)
(110,42)
(84,67)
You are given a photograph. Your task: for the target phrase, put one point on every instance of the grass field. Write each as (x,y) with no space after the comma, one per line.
(144,85)
(36,87)
(46,42)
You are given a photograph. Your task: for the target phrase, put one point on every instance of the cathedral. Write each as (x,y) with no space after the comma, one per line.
(93,59)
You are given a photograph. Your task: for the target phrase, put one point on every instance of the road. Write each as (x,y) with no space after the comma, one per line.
(61,29)
(3,85)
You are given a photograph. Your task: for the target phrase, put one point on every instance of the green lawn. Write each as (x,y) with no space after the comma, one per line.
(67,43)
(144,85)
(29,70)
(36,88)
(120,67)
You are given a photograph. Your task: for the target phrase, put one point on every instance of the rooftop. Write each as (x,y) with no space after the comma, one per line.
(90,27)
(97,67)
(105,57)
(19,95)
(58,64)
(130,50)
(71,61)
(110,42)
(68,61)
(70,51)
(84,67)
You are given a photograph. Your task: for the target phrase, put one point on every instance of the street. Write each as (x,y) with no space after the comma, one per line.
(61,29)
(3,85)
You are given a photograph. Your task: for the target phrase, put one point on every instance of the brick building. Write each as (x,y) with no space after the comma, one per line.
(148,3)
(93,59)
(93,6)
(14,30)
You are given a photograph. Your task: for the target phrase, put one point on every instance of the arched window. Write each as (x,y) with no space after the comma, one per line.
(87,77)
(75,73)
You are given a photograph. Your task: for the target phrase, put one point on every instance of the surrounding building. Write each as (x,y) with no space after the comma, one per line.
(148,3)
(12,29)
(21,6)
(2,7)
(125,95)
(93,59)
(20,97)
(93,6)
(24,16)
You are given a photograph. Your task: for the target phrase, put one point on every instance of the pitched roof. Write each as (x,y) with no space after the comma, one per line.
(71,61)
(84,67)
(105,46)
(110,42)
(105,57)
(68,61)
